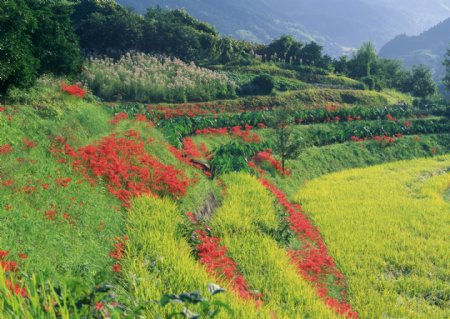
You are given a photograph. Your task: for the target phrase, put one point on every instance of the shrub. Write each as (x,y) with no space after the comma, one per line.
(263,84)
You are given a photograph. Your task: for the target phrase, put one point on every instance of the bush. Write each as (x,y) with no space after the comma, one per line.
(263,84)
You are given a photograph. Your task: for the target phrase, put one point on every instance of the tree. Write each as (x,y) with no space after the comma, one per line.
(360,66)
(311,54)
(18,65)
(279,48)
(104,27)
(420,82)
(55,44)
(287,145)
(447,67)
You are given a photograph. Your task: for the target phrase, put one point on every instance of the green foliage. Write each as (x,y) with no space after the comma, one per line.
(447,68)
(36,38)
(288,50)
(263,84)
(419,82)
(361,65)
(233,157)
(105,27)
(285,145)
(55,44)
(18,65)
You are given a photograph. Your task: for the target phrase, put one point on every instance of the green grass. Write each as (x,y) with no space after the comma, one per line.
(386,227)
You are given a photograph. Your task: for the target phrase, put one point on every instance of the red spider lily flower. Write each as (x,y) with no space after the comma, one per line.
(3,254)
(141,118)
(408,124)
(2,109)
(119,117)
(99,306)
(64,182)
(5,149)
(74,90)
(28,189)
(390,118)
(262,125)
(23,256)
(50,215)
(117,268)
(16,289)
(45,186)
(28,144)
(266,156)
(8,183)
(9,266)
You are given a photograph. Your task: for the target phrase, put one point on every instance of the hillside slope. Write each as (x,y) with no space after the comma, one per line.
(339,25)
(427,48)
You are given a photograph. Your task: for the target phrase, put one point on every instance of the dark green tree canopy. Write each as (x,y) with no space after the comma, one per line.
(447,68)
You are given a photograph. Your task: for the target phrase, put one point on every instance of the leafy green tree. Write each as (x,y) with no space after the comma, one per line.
(104,27)
(420,82)
(287,145)
(447,67)
(362,63)
(311,54)
(55,44)
(341,65)
(18,65)
(279,48)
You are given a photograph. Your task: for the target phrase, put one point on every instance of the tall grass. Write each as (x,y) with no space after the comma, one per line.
(145,78)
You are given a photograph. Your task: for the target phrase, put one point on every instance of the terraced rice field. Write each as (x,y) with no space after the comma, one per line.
(388,228)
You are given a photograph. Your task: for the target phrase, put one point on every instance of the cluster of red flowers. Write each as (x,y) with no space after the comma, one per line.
(125,166)
(6,149)
(312,259)
(244,133)
(118,252)
(332,120)
(28,144)
(353,118)
(266,156)
(74,90)
(384,139)
(390,118)
(10,266)
(2,109)
(119,117)
(190,153)
(214,256)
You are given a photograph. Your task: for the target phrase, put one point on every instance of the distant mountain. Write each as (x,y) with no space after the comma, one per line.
(428,48)
(340,25)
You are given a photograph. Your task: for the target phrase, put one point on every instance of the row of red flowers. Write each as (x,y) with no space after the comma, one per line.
(312,259)
(244,133)
(10,266)
(213,255)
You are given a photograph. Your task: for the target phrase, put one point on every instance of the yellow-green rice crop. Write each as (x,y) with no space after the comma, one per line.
(243,222)
(388,229)
(160,262)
